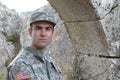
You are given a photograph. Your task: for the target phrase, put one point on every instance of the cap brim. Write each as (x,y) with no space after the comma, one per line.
(43,21)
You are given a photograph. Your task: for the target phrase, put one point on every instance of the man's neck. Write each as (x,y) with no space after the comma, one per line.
(41,49)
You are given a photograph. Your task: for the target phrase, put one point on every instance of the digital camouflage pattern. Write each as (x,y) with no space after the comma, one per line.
(38,65)
(42,16)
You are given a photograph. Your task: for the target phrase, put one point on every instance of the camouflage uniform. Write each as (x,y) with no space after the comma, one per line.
(38,65)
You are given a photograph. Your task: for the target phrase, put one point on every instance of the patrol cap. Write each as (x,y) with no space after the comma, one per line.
(42,16)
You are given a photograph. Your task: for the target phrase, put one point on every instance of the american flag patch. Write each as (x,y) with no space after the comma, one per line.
(23,76)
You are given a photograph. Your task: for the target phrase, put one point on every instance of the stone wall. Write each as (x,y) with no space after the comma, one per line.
(93,27)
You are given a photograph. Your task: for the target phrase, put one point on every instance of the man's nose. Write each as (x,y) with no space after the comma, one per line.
(43,32)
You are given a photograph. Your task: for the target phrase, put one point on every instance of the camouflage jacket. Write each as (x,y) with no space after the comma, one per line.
(33,64)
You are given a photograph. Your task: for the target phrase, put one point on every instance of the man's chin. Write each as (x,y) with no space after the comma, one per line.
(42,46)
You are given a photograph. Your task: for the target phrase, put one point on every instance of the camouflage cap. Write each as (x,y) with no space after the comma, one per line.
(42,16)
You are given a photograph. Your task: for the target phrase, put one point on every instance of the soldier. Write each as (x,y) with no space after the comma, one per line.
(32,63)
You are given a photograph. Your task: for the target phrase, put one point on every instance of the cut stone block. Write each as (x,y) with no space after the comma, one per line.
(88,37)
(82,10)
(74,10)
(111,25)
(91,68)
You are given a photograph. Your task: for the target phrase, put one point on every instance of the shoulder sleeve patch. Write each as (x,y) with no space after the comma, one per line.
(23,75)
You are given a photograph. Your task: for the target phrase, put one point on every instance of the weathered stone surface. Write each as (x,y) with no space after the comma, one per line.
(90,68)
(88,37)
(111,25)
(74,10)
(83,10)
(10,28)
(103,7)
(115,69)
(86,25)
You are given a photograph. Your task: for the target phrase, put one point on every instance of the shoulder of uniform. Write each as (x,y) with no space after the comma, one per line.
(17,69)
(20,58)
(18,66)
(18,62)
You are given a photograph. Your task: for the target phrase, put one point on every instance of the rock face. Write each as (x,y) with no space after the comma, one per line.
(10,28)
(111,25)
(93,27)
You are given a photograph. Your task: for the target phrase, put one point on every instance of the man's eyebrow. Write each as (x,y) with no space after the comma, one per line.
(43,27)
(38,26)
(49,26)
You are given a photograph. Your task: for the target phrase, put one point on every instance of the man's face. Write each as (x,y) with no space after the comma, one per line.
(41,33)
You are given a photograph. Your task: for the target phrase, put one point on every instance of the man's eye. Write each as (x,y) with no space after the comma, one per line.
(49,28)
(38,28)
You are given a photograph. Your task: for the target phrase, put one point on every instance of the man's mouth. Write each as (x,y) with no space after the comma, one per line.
(43,40)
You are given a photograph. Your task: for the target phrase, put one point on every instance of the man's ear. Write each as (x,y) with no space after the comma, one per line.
(30,31)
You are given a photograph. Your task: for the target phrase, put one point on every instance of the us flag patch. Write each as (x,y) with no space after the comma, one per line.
(23,76)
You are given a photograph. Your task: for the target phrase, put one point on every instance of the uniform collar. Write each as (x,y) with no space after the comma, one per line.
(36,52)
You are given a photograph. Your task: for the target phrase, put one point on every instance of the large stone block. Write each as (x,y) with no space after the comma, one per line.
(115,69)
(82,10)
(88,37)
(103,7)
(111,25)
(74,10)
(90,68)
